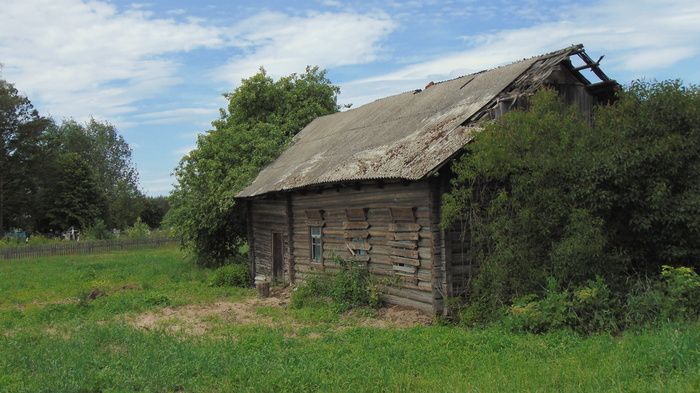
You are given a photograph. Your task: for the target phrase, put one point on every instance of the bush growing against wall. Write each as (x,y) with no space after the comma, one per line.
(550,192)
(352,287)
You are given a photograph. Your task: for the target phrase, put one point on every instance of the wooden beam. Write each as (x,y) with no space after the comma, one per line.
(583,67)
(405,261)
(404,227)
(355,225)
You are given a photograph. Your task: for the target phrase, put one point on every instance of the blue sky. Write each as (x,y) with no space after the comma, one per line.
(157,69)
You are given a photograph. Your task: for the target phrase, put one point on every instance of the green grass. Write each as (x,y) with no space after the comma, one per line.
(54,290)
(52,342)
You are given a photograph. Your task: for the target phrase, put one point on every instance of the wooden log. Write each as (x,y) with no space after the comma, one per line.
(405,261)
(355,225)
(400,252)
(359,246)
(402,236)
(381,259)
(336,214)
(356,214)
(405,269)
(404,227)
(378,231)
(314,214)
(404,302)
(403,214)
(379,213)
(356,234)
(263,288)
(360,258)
(404,244)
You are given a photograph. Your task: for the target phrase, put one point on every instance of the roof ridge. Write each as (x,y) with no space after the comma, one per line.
(574,48)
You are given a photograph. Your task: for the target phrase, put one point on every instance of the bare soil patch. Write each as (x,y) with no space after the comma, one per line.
(199,318)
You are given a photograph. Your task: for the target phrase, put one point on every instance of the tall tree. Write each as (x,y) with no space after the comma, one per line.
(76,198)
(262,117)
(20,130)
(109,156)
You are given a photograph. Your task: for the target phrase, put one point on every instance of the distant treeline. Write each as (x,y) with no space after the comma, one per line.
(69,175)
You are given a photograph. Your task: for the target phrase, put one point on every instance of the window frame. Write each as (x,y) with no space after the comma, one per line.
(316,244)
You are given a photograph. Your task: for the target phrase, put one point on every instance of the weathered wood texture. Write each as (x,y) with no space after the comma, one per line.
(392,228)
(385,226)
(263,288)
(269,215)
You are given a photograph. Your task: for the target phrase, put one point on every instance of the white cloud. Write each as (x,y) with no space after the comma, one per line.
(200,116)
(284,44)
(85,57)
(635,36)
(179,113)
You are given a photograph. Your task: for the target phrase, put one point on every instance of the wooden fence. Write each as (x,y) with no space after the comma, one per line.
(83,247)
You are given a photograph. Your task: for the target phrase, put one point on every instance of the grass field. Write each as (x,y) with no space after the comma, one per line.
(146,321)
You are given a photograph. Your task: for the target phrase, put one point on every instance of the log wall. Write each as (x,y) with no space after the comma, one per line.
(393,228)
(385,226)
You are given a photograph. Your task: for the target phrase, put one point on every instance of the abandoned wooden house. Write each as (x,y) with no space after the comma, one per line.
(366,184)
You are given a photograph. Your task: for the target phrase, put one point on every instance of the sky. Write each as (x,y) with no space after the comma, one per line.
(157,70)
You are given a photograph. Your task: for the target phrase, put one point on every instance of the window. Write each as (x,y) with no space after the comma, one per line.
(316,249)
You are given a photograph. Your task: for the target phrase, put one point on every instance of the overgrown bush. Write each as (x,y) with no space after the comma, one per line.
(138,230)
(234,275)
(315,292)
(351,287)
(680,288)
(553,311)
(552,192)
(595,308)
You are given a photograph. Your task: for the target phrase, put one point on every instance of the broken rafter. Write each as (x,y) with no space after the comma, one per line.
(593,65)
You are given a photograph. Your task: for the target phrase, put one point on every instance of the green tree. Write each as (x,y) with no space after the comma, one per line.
(75,198)
(103,149)
(20,130)
(154,211)
(262,117)
(550,193)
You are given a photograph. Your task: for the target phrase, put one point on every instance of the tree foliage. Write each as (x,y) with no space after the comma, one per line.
(155,209)
(262,117)
(36,160)
(21,128)
(76,198)
(109,155)
(548,193)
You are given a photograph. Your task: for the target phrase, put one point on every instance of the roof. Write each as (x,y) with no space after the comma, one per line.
(405,136)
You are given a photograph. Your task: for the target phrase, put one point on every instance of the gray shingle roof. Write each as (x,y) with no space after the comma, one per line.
(405,136)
